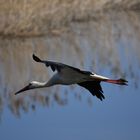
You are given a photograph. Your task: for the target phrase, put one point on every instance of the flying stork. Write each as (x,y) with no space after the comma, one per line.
(67,75)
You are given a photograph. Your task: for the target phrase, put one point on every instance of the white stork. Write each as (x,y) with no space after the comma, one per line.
(67,75)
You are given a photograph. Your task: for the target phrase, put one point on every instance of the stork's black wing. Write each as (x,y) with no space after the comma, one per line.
(59,66)
(94,88)
(54,65)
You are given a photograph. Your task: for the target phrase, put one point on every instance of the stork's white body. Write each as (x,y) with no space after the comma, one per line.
(67,75)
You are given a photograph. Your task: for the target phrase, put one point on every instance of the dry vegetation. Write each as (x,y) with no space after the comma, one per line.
(37,17)
(116,35)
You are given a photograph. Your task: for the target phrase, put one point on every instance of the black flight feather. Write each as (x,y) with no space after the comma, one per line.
(58,66)
(94,88)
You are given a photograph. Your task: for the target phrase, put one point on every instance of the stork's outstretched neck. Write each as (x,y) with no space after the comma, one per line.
(32,85)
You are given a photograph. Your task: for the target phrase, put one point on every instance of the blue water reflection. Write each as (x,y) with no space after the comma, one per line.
(108,46)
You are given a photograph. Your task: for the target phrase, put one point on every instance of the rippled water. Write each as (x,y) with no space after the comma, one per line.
(109,46)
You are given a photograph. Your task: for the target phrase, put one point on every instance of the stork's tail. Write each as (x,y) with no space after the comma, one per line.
(118,81)
(36,58)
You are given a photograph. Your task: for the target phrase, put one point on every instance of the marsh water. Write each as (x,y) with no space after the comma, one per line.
(108,45)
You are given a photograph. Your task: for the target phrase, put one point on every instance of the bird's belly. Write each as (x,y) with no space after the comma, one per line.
(73,78)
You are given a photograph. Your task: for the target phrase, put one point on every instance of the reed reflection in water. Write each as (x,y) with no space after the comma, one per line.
(108,46)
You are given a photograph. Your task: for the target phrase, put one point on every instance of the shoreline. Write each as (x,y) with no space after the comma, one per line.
(39,17)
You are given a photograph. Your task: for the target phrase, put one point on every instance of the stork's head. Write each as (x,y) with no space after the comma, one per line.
(31,85)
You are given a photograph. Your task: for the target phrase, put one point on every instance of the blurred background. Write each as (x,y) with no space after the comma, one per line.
(100,36)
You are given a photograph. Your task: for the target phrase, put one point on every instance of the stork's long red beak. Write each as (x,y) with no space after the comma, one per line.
(23,89)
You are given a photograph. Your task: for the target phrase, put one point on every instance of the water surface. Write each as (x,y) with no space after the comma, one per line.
(109,46)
